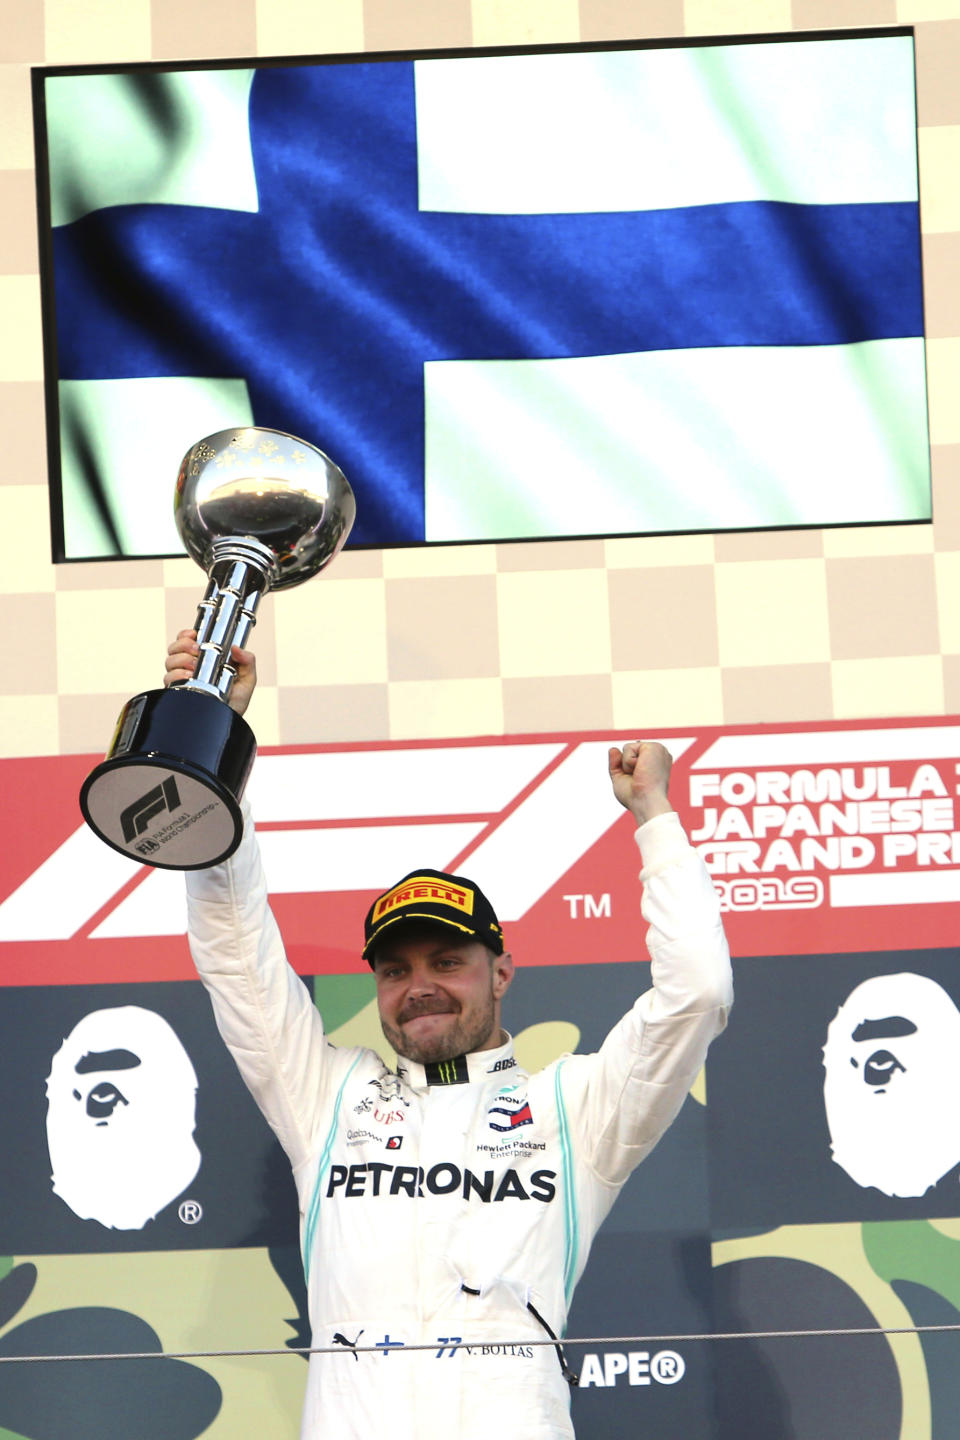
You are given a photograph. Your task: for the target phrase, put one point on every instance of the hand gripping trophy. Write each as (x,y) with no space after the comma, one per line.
(259,510)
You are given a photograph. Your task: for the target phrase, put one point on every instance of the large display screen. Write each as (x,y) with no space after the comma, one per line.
(584,291)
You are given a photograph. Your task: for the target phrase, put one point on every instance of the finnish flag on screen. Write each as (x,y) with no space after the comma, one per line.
(512,297)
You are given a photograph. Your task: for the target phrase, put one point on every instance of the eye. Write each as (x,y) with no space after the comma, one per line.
(881,1067)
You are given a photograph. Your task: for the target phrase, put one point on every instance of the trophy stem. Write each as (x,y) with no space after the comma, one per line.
(206,612)
(240,574)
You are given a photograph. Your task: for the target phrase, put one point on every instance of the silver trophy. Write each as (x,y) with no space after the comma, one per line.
(259,510)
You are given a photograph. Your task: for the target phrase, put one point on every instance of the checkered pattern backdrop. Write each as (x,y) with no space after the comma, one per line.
(629,633)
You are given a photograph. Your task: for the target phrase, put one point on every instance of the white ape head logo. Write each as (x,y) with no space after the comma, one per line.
(121,1112)
(890,1083)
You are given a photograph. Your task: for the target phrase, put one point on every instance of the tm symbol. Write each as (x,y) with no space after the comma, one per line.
(594,907)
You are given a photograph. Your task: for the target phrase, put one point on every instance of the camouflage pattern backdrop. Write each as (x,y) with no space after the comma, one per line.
(810,1181)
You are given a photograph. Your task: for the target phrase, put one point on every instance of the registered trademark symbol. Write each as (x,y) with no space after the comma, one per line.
(668,1367)
(190,1211)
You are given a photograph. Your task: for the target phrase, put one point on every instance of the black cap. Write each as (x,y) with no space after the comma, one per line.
(439,899)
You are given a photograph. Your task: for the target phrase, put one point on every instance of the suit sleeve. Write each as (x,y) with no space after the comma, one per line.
(633,1088)
(263,1009)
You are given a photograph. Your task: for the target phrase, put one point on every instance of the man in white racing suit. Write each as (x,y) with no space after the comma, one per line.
(451,1203)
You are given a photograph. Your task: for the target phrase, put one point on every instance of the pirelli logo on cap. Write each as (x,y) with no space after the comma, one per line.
(420,888)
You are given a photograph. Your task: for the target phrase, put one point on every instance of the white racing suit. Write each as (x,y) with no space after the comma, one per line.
(456,1208)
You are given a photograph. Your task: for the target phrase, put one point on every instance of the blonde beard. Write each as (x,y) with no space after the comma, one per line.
(463,1039)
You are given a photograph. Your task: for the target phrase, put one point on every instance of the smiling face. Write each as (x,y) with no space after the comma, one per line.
(439,996)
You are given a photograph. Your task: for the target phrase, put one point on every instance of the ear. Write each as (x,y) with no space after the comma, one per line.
(502,974)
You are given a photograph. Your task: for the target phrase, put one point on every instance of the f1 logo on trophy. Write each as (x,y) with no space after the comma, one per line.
(259,510)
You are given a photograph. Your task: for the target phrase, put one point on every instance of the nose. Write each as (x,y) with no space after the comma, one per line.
(422,982)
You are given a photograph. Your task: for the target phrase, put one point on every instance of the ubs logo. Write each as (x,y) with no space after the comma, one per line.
(386,1094)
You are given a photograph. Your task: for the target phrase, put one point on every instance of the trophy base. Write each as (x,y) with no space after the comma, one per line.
(167,794)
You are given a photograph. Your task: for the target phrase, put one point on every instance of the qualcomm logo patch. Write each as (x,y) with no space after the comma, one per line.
(121,1112)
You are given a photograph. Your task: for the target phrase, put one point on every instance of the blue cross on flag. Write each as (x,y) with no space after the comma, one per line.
(512,296)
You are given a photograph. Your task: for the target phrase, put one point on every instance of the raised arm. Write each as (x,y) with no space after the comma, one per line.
(263,1009)
(629,1093)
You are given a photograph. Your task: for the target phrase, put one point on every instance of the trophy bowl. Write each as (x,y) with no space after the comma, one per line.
(269,487)
(258,510)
